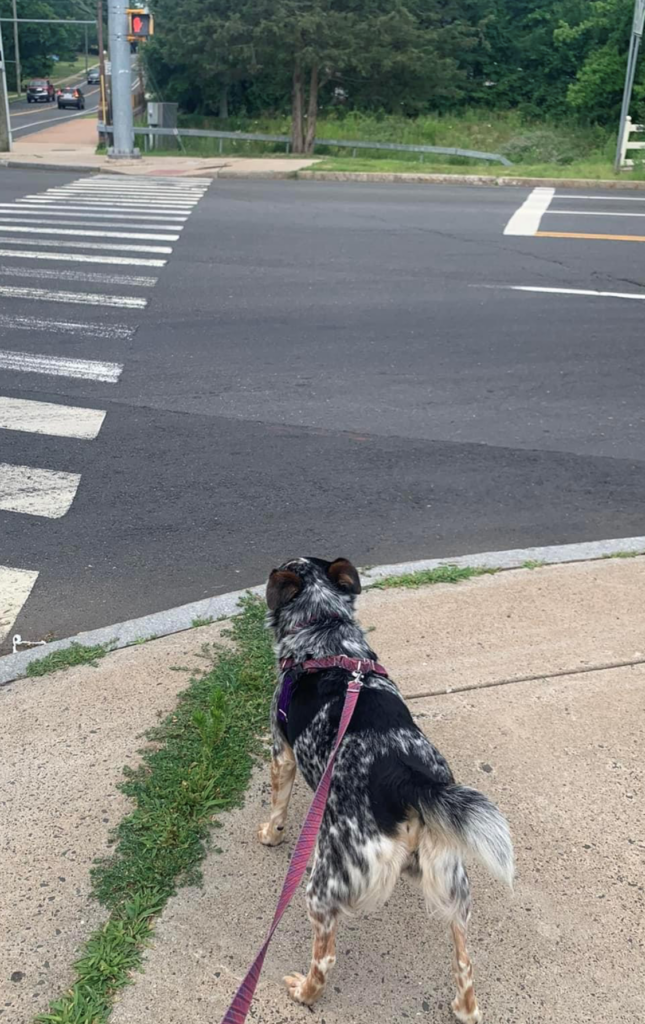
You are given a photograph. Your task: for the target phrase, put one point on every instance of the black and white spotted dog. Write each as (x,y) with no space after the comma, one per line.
(393,805)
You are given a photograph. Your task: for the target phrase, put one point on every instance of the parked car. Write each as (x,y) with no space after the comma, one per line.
(93,76)
(40,90)
(71,96)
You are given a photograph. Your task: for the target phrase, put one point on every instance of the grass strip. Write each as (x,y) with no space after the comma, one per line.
(426,577)
(198,764)
(75,654)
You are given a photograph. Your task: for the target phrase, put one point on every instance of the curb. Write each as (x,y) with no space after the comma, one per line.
(176,620)
(359,176)
(469,179)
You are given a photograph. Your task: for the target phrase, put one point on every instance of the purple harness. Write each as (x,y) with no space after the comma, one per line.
(361,665)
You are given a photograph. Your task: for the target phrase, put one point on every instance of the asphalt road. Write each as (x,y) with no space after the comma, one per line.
(29,118)
(326,369)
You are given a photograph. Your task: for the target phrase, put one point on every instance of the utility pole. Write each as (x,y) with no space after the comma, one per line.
(86,48)
(16,44)
(632,57)
(5,123)
(102,81)
(122,119)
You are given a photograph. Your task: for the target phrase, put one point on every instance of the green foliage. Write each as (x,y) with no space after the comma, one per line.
(39,42)
(427,577)
(406,57)
(197,764)
(75,654)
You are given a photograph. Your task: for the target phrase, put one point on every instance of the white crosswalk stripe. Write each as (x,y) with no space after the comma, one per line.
(120,223)
(60,366)
(94,330)
(87,222)
(86,245)
(54,210)
(81,298)
(15,587)
(87,276)
(49,418)
(4,226)
(71,257)
(37,492)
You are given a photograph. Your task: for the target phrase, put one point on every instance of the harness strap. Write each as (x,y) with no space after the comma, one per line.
(239,1008)
(362,665)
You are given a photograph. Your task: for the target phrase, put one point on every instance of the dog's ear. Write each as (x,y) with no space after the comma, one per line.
(282,587)
(343,574)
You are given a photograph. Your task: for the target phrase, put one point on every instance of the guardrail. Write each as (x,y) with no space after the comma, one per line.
(630,129)
(198,133)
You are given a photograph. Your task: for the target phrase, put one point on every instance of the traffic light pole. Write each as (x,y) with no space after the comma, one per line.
(5,123)
(123,137)
(632,57)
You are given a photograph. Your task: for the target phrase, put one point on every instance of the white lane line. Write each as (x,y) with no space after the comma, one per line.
(595,213)
(58,274)
(37,492)
(17,217)
(49,418)
(139,196)
(59,366)
(19,228)
(603,199)
(86,212)
(72,257)
(32,323)
(80,298)
(138,184)
(563,291)
(526,220)
(137,190)
(87,245)
(15,588)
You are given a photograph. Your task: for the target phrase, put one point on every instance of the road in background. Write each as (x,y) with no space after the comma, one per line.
(320,368)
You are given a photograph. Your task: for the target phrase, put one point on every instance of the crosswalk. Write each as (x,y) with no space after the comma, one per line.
(95,243)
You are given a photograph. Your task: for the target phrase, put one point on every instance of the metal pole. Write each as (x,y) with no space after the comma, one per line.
(5,123)
(123,135)
(16,44)
(86,49)
(634,45)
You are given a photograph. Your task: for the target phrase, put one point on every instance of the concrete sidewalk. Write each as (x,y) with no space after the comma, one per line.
(72,145)
(533,716)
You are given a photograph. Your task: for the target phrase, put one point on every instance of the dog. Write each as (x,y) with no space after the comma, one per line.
(393,807)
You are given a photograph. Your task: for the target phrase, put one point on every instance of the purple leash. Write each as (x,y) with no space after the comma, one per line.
(237,1011)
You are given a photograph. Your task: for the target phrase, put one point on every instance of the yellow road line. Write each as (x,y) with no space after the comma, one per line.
(575,234)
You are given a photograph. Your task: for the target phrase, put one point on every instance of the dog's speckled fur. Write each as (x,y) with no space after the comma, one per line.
(393,805)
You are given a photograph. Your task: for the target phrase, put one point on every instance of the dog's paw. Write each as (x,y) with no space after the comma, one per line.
(465,1017)
(297,989)
(270,836)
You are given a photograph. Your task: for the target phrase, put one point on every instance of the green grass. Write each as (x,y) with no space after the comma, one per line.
(625,554)
(532,564)
(75,654)
(426,577)
(593,169)
(64,70)
(198,764)
(202,622)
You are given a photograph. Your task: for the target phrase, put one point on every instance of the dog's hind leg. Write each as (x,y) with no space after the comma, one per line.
(310,988)
(447,892)
(283,772)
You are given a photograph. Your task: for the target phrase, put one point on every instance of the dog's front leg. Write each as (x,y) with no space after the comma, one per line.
(283,772)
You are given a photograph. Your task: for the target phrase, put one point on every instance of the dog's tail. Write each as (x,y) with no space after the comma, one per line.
(468,817)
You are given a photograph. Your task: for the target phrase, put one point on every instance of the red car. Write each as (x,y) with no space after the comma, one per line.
(40,89)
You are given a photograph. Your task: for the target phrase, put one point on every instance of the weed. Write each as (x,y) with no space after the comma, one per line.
(625,554)
(75,654)
(198,764)
(425,577)
(533,563)
(202,622)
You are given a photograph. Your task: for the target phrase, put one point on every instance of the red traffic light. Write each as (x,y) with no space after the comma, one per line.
(141,24)
(137,23)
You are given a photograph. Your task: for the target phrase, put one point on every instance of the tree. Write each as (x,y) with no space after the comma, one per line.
(39,41)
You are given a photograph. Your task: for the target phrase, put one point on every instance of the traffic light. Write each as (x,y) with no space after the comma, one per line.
(140,24)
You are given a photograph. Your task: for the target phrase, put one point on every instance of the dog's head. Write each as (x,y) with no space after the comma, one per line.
(304,589)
